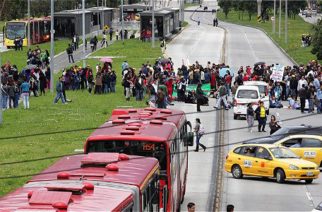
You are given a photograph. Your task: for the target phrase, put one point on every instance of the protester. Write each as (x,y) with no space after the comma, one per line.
(191,207)
(69,51)
(59,90)
(199,131)
(250,117)
(273,125)
(25,89)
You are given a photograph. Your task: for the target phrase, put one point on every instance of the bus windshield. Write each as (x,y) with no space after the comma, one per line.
(142,148)
(15,30)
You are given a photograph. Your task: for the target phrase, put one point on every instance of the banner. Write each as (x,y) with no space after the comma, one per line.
(277,73)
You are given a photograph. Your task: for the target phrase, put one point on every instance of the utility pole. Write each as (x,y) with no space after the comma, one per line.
(52,46)
(286,17)
(274,21)
(84,38)
(28,42)
(98,18)
(279,19)
(122,22)
(153,35)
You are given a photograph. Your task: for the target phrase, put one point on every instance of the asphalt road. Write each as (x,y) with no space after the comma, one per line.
(244,46)
(201,43)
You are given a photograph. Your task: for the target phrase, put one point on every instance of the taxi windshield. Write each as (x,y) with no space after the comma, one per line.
(280,152)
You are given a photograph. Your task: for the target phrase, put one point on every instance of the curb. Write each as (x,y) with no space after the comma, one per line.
(275,43)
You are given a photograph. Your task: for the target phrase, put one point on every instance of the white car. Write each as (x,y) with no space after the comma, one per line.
(246,94)
(263,90)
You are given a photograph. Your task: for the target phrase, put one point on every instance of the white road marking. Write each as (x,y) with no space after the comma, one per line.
(308,195)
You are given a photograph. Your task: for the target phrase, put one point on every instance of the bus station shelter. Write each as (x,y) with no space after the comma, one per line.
(131,11)
(70,22)
(163,25)
(175,18)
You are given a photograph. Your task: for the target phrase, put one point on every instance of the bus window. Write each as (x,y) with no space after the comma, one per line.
(15,30)
(142,148)
(150,196)
(128,208)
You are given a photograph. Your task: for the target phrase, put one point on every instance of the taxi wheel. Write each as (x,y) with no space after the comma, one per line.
(237,172)
(280,176)
(309,181)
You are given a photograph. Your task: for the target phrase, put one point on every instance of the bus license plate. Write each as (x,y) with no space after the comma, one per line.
(309,174)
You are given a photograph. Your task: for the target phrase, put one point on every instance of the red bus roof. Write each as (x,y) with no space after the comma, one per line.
(174,116)
(67,196)
(152,130)
(133,171)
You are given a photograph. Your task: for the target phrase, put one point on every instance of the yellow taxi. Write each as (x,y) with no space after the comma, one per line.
(269,160)
(308,147)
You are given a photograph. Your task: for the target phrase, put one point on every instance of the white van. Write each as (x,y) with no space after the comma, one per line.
(263,90)
(246,94)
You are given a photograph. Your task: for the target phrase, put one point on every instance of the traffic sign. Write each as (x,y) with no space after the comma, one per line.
(272,18)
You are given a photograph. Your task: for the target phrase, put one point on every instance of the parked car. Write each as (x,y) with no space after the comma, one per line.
(244,95)
(263,90)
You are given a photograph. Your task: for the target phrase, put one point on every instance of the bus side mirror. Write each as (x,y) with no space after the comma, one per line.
(188,139)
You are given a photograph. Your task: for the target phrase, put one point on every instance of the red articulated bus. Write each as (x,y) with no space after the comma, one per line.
(152,132)
(92,182)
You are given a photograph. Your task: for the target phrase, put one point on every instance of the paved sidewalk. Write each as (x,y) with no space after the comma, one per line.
(61,60)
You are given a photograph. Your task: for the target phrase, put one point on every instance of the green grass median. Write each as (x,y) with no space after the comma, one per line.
(296,27)
(85,113)
(19,58)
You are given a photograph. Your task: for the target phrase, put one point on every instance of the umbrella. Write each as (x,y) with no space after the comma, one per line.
(106,60)
(164,60)
(223,71)
(259,63)
(31,66)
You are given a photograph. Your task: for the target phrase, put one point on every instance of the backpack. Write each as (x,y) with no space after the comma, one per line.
(202,130)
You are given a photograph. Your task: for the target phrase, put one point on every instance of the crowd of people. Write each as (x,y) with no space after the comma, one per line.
(34,78)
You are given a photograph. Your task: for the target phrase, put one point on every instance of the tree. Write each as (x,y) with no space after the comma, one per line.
(317,40)
(238,5)
(295,6)
(251,8)
(226,6)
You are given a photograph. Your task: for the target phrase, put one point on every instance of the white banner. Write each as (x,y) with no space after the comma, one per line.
(277,73)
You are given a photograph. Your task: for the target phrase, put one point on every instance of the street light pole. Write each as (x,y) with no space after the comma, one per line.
(122,22)
(28,42)
(52,46)
(279,19)
(274,21)
(98,18)
(286,17)
(153,35)
(84,38)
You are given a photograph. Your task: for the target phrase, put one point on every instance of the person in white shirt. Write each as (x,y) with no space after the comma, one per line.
(302,82)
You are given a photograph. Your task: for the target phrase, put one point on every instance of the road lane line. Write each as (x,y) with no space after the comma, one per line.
(308,195)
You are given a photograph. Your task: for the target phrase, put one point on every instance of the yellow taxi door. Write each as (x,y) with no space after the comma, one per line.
(311,150)
(263,162)
(246,160)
